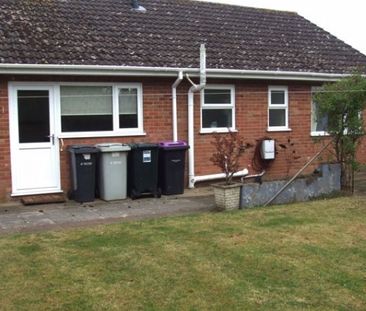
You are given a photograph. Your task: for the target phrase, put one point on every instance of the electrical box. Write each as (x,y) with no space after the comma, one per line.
(268,149)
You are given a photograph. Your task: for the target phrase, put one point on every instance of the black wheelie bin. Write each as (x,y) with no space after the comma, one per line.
(83,160)
(172,155)
(142,176)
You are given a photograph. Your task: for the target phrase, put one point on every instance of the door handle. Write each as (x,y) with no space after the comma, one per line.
(62,144)
(52,137)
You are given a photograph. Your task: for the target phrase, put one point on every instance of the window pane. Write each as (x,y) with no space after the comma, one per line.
(277,97)
(212,118)
(277,117)
(217,96)
(82,100)
(86,108)
(33,116)
(319,123)
(127,103)
(88,123)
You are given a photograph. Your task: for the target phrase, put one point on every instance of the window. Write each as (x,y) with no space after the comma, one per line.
(86,108)
(319,123)
(217,108)
(277,108)
(128,108)
(101,110)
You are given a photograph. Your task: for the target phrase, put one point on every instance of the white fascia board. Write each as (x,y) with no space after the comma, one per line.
(90,70)
(95,70)
(274,75)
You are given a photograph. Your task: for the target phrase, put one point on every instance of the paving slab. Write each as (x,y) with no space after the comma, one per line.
(19,218)
(11,223)
(66,215)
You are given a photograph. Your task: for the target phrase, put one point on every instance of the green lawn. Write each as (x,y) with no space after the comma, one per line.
(294,257)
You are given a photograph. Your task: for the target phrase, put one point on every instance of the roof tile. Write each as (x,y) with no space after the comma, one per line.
(108,32)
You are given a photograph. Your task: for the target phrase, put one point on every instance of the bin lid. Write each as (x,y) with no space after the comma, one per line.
(144,146)
(83,149)
(180,144)
(113,147)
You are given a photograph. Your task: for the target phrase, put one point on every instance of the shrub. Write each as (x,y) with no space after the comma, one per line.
(343,103)
(229,148)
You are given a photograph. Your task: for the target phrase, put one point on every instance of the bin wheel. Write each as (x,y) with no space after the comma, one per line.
(158,193)
(133,194)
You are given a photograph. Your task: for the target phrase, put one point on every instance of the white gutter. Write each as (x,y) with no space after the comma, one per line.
(174,105)
(273,75)
(96,70)
(90,70)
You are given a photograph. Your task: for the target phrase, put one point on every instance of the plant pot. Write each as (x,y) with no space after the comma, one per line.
(227,197)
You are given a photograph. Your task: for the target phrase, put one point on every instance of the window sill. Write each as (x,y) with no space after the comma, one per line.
(101,134)
(217,130)
(272,129)
(317,134)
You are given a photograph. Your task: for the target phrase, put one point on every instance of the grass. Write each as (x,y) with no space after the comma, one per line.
(308,256)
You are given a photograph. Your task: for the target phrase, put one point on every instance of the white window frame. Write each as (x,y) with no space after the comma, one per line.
(139,131)
(140,114)
(315,133)
(231,106)
(278,107)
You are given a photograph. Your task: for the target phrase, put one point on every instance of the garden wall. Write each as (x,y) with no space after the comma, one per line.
(326,181)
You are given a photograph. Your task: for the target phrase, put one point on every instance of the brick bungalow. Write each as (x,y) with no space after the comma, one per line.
(87,71)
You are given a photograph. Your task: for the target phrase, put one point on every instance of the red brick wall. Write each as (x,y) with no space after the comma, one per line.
(361,150)
(5,174)
(251,121)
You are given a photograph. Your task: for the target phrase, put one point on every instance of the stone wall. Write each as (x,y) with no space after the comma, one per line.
(325,182)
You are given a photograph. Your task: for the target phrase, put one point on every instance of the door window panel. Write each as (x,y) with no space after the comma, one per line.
(33,116)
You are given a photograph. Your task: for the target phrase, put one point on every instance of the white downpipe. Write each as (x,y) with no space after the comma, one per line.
(174,105)
(192,89)
(190,139)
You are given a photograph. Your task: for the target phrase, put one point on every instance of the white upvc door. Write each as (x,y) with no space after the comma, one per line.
(35,162)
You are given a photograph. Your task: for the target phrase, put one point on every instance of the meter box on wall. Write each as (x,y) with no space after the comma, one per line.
(268,149)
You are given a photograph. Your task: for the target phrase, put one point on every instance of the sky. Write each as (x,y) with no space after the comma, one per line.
(344,19)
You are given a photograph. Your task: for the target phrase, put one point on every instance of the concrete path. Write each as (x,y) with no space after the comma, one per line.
(19,218)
